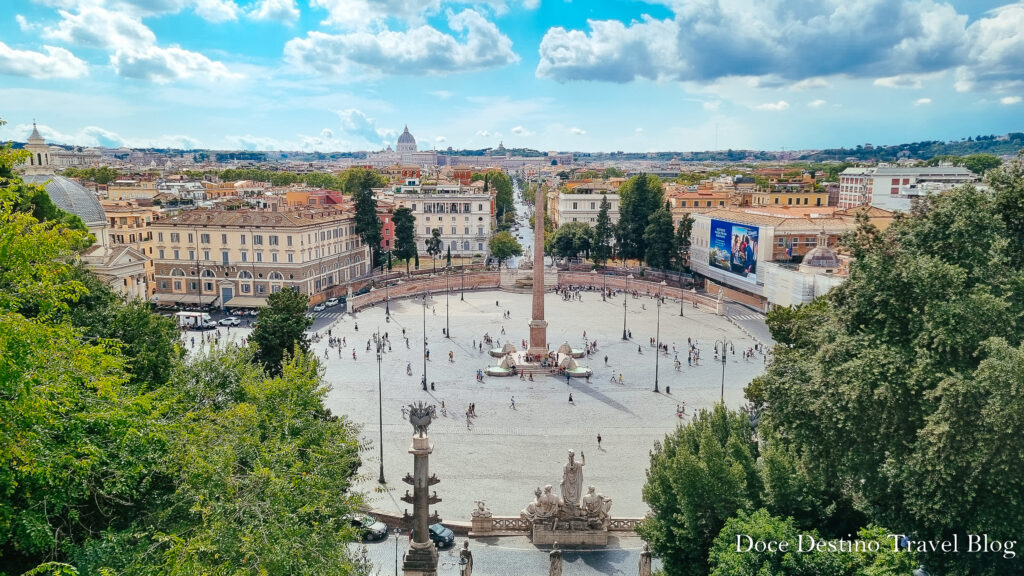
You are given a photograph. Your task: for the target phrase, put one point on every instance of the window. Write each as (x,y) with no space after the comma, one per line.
(789,201)
(224,258)
(574,205)
(257,239)
(427,218)
(161,251)
(414,207)
(272,240)
(245,256)
(208,286)
(193,285)
(175,237)
(204,238)
(243,239)
(289,240)
(782,242)
(177,255)
(683,204)
(160,236)
(259,256)
(593,205)
(467,230)
(480,207)
(177,284)
(709,203)
(273,256)
(290,258)
(818,202)
(479,245)
(206,254)
(427,230)
(163,284)
(223,238)
(454,230)
(246,288)
(190,238)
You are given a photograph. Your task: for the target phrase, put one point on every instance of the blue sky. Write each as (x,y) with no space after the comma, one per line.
(577,75)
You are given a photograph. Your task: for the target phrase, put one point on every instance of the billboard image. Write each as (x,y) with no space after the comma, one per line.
(733,248)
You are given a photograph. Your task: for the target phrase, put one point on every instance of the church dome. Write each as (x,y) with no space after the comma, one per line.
(821,258)
(71,197)
(406,142)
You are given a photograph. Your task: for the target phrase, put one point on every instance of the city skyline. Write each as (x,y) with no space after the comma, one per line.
(347,75)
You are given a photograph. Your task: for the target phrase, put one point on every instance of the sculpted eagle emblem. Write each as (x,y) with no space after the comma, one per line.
(420,416)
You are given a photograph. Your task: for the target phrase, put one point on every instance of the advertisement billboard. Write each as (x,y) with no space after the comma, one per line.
(733,248)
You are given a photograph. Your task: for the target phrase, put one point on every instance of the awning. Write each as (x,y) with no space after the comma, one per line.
(246,302)
(172,299)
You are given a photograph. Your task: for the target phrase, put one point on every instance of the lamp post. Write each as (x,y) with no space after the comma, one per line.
(625,300)
(398,532)
(681,299)
(425,294)
(447,291)
(604,287)
(462,293)
(725,344)
(387,297)
(380,409)
(657,338)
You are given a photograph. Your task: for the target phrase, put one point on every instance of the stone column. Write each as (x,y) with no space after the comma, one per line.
(421,557)
(538,326)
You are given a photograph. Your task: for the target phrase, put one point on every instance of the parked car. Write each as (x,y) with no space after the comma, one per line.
(441,536)
(319,307)
(332,302)
(369,527)
(230,321)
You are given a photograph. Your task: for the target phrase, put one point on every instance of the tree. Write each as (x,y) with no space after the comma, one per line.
(571,240)
(603,232)
(358,179)
(612,172)
(683,231)
(281,329)
(660,240)
(448,257)
(434,245)
(703,473)
(981,163)
(368,225)
(640,196)
(503,245)
(405,235)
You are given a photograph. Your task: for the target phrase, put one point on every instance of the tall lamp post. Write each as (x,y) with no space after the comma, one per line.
(387,298)
(380,409)
(625,299)
(447,291)
(398,532)
(657,338)
(725,344)
(425,294)
(462,293)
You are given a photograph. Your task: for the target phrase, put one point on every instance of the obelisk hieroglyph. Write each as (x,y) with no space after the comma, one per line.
(538,326)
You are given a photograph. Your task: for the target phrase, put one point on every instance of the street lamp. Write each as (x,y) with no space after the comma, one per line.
(625,299)
(387,297)
(380,408)
(657,338)
(462,293)
(398,532)
(425,294)
(447,291)
(724,343)
(604,287)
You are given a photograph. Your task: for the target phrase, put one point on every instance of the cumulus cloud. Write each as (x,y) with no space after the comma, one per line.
(53,62)
(577,131)
(284,11)
(773,106)
(211,10)
(23,23)
(419,50)
(98,28)
(440,139)
(901,81)
(356,124)
(794,45)
(98,136)
(711,105)
(373,14)
(816,103)
(1010,100)
(216,10)
(250,142)
(922,101)
(164,65)
(520,131)
(327,134)
(483,133)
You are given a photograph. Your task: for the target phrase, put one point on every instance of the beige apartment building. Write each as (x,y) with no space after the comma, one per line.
(582,204)
(128,224)
(463,214)
(131,190)
(230,258)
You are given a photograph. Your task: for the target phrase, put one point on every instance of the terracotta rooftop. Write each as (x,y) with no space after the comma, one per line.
(290,218)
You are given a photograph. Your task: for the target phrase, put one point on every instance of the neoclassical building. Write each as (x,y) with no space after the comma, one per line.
(121,266)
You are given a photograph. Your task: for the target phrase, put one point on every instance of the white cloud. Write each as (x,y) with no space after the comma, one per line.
(922,101)
(372,15)
(98,136)
(210,10)
(355,123)
(442,94)
(638,131)
(816,103)
(284,11)
(483,133)
(440,139)
(163,65)
(54,62)
(773,106)
(902,81)
(577,131)
(250,142)
(217,10)
(811,83)
(24,24)
(98,28)
(711,105)
(1010,100)
(327,134)
(417,51)
(520,131)
(996,54)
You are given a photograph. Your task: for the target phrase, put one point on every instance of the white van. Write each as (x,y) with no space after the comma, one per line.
(195,320)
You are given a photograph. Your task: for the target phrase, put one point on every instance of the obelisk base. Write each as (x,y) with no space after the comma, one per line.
(420,561)
(538,338)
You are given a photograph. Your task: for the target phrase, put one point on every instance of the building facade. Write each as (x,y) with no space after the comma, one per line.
(465,215)
(582,204)
(231,258)
(858,186)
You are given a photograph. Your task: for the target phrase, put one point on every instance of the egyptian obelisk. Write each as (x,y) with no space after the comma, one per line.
(538,326)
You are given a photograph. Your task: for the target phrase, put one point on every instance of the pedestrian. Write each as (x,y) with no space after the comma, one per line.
(357,326)
(605,359)
(598,440)
(512,405)
(570,398)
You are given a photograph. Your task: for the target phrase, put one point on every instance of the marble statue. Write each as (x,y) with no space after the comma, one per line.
(572,480)
(597,506)
(419,416)
(644,566)
(533,508)
(465,554)
(555,557)
(549,503)
(481,510)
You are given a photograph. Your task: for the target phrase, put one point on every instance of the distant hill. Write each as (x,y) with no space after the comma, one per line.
(997,145)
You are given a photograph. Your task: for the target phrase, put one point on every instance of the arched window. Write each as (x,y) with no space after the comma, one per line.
(276,276)
(245,275)
(177,272)
(207,274)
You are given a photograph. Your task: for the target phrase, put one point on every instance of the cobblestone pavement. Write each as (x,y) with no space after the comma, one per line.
(518,557)
(504,453)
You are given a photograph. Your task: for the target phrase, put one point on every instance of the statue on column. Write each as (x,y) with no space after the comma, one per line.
(644,566)
(572,480)
(467,556)
(555,557)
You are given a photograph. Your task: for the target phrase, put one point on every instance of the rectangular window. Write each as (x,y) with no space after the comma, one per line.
(223,238)
(192,285)
(163,284)
(191,254)
(224,258)
(682,204)
(160,236)
(709,203)
(161,251)
(593,205)
(177,284)
(259,256)
(204,238)
(206,254)
(245,256)
(467,230)
(257,239)
(245,288)
(289,240)
(290,258)
(208,286)
(273,256)
(175,237)
(272,240)
(260,288)
(190,238)
(573,205)
(177,255)
(243,239)
(454,230)
(789,201)
(480,231)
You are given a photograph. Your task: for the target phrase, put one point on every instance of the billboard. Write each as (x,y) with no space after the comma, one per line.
(733,248)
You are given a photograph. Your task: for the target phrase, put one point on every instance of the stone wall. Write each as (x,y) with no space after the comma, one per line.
(640,285)
(417,285)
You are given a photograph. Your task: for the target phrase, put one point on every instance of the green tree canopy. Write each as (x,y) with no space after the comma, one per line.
(281,329)
(640,196)
(503,245)
(604,231)
(571,240)
(660,239)
(434,244)
(405,235)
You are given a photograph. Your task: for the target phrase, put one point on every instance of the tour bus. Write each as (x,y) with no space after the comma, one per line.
(195,320)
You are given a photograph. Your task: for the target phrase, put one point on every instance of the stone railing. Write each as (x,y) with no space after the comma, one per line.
(498,525)
(624,524)
(436,284)
(643,287)
(510,523)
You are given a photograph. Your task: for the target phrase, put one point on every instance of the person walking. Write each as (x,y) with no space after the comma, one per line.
(570,398)
(512,403)
(598,440)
